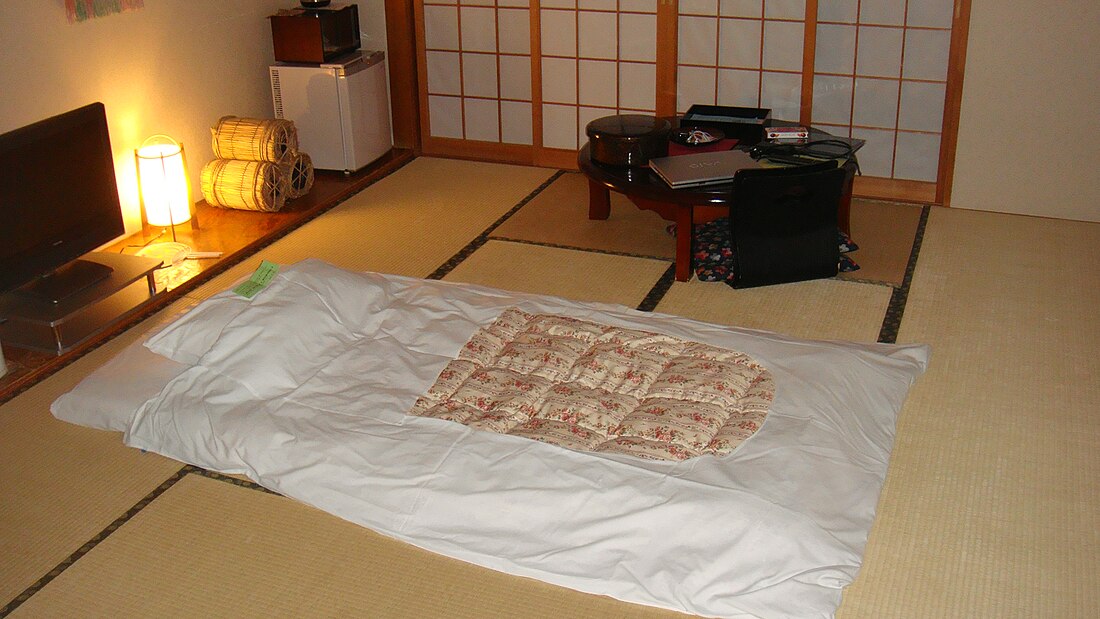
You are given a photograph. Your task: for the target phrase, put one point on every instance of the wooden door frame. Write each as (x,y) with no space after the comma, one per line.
(952,105)
(404,83)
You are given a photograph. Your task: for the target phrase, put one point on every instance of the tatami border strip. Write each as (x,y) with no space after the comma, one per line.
(482,238)
(659,290)
(94,541)
(233,481)
(891,323)
(123,519)
(869,282)
(591,250)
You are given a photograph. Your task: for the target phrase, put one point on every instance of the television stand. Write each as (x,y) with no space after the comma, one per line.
(66,281)
(38,323)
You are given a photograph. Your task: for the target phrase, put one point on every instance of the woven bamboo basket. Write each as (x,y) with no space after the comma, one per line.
(246,185)
(298,169)
(253,139)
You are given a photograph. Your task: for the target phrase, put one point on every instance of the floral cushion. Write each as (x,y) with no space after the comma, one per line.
(592,387)
(713,258)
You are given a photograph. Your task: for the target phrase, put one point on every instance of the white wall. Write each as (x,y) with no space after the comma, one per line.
(173,67)
(1029,136)
(372,23)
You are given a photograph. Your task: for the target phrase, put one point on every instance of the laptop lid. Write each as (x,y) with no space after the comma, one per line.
(699,169)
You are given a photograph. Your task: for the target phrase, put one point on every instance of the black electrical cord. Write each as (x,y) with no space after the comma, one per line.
(806,152)
(818,149)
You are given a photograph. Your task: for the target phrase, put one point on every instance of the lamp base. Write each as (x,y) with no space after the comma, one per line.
(170,254)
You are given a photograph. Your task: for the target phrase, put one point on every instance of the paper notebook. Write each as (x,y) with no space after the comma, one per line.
(699,169)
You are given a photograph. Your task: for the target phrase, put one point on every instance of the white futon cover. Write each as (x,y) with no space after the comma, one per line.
(306,388)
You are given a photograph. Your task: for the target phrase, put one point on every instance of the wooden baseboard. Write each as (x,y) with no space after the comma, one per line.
(877,188)
(518,154)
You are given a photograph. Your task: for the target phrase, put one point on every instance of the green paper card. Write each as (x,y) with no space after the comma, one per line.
(259,280)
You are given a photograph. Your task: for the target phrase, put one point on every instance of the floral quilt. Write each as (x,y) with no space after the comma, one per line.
(587,386)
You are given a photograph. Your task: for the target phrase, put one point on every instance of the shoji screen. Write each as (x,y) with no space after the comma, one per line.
(479,97)
(518,80)
(476,76)
(746,53)
(598,58)
(880,73)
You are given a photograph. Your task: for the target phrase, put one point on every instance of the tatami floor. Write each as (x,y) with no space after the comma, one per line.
(990,508)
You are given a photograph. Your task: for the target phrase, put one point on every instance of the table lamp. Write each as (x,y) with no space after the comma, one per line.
(164,189)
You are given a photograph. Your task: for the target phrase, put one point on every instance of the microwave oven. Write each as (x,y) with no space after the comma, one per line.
(315,35)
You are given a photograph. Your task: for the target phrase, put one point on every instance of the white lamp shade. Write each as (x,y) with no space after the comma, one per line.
(162,176)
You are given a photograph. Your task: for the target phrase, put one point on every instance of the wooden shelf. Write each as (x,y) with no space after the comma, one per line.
(58,327)
(237,234)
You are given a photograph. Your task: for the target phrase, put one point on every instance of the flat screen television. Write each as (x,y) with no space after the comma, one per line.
(58,201)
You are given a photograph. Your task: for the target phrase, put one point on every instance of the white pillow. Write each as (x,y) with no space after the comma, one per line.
(288,332)
(108,397)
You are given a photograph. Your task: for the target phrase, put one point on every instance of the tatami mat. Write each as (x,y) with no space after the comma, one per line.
(62,484)
(577,275)
(408,223)
(884,232)
(820,309)
(559,216)
(207,548)
(990,508)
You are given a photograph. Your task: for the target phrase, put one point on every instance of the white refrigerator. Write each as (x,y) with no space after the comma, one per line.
(341,109)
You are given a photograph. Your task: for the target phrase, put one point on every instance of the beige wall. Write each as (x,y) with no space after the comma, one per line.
(1029,137)
(173,67)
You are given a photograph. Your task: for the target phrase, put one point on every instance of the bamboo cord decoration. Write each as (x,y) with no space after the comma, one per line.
(252,139)
(298,170)
(249,185)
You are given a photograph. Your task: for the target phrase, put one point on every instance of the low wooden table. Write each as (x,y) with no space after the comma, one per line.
(685,207)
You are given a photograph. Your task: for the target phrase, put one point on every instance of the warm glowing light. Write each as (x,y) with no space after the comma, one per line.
(162,178)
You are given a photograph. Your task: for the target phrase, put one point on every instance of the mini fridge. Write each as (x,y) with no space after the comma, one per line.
(341,109)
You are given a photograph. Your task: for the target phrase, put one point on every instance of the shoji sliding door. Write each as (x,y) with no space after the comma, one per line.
(871,69)
(881,74)
(475,77)
(746,53)
(518,80)
(599,57)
